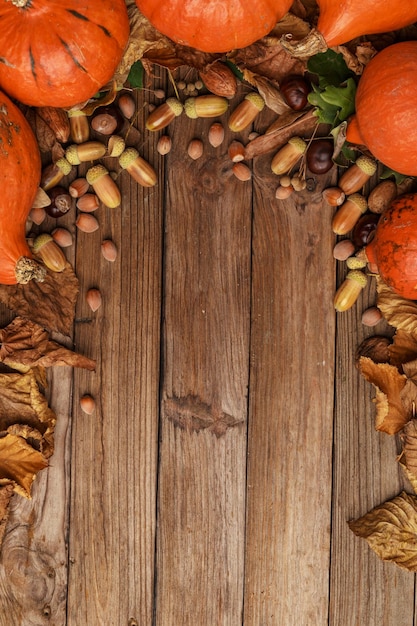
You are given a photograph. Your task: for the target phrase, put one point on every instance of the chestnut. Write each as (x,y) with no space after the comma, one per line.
(107,120)
(319,155)
(294,89)
(364,229)
(61,202)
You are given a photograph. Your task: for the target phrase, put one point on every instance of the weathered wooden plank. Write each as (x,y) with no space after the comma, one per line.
(33,565)
(364,590)
(201,505)
(291,408)
(114,451)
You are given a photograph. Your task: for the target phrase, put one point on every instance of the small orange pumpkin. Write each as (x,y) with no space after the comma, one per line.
(394,246)
(60,52)
(385,106)
(214,25)
(342,21)
(20,172)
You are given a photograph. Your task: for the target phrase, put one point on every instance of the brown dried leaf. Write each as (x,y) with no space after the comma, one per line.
(270,93)
(403,347)
(288,125)
(22,402)
(20,463)
(390,530)
(409,476)
(57,120)
(25,343)
(409,452)
(398,311)
(6,492)
(50,303)
(391,415)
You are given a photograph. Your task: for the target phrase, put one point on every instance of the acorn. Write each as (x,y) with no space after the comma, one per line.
(205,106)
(79,126)
(348,214)
(164,114)
(246,112)
(355,177)
(83,152)
(53,173)
(349,290)
(285,159)
(139,169)
(50,252)
(104,186)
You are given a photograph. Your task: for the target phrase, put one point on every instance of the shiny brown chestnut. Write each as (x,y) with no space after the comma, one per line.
(107,120)
(295,89)
(61,202)
(319,155)
(364,229)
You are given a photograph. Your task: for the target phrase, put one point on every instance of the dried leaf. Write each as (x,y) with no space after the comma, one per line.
(22,402)
(390,530)
(25,343)
(287,126)
(270,93)
(50,303)
(391,415)
(57,120)
(410,477)
(398,311)
(6,492)
(403,348)
(409,452)
(20,463)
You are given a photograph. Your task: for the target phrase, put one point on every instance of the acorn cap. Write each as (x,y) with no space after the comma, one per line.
(41,240)
(95,172)
(127,157)
(175,105)
(366,164)
(64,165)
(71,154)
(358,277)
(256,99)
(359,200)
(298,143)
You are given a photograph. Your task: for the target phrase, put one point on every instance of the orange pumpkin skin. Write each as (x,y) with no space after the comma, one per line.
(214,25)
(394,246)
(385,103)
(20,173)
(340,22)
(60,52)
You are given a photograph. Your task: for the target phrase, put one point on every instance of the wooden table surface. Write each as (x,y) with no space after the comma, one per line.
(233,437)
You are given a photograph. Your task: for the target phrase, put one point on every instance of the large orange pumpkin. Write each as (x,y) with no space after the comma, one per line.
(385,103)
(214,25)
(20,172)
(344,20)
(60,52)
(394,246)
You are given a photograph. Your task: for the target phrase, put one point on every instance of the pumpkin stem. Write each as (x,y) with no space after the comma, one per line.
(307,47)
(28,269)
(20,3)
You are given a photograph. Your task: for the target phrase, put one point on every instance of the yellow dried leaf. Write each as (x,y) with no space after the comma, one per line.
(410,477)
(398,311)
(20,463)
(22,402)
(391,415)
(390,530)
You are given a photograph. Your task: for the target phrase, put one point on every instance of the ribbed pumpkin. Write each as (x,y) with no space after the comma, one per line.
(394,246)
(20,172)
(385,103)
(344,20)
(214,25)
(60,52)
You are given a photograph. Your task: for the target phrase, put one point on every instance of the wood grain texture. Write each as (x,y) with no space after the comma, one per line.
(201,505)
(114,452)
(366,473)
(291,408)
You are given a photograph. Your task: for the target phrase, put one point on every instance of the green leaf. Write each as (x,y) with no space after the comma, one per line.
(330,67)
(135,76)
(389,173)
(342,97)
(325,112)
(236,71)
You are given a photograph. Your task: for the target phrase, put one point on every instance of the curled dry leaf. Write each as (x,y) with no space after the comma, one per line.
(23,403)
(288,125)
(24,344)
(50,303)
(408,457)
(403,348)
(19,463)
(398,311)
(390,530)
(269,92)
(391,414)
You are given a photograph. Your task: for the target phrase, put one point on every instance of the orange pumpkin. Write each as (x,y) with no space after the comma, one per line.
(214,25)
(394,246)
(60,52)
(342,21)
(385,106)
(20,172)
